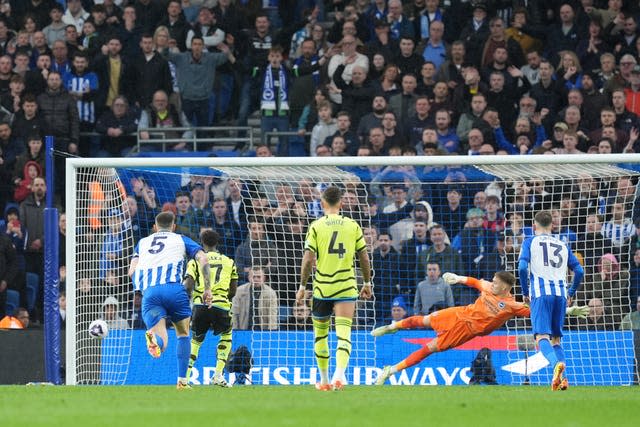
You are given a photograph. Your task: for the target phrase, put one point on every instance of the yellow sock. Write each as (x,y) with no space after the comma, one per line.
(196,342)
(321,348)
(224,346)
(343,352)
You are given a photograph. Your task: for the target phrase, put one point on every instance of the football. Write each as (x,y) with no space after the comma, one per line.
(98,329)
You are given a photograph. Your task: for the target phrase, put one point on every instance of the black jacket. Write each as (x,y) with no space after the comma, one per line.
(355,99)
(146,77)
(60,112)
(8,263)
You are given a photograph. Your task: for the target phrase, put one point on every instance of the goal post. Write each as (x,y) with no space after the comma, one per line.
(266,205)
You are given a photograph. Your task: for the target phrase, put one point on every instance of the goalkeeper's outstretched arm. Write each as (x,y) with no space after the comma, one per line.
(452,279)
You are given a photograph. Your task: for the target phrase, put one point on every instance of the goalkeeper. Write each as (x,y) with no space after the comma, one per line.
(457,325)
(217,316)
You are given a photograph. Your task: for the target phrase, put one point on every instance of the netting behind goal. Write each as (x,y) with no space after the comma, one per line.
(419,222)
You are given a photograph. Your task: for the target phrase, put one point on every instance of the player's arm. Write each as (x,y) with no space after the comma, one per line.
(472,282)
(233,287)
(201,257)
(133,265)
(308,259)
(523,267)
(365,266)
(578,275)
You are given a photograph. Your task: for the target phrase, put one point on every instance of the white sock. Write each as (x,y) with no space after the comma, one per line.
(324,376)
(182,380)
(338,375)
(393,369)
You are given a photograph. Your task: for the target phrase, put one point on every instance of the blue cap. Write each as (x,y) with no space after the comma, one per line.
(399,302)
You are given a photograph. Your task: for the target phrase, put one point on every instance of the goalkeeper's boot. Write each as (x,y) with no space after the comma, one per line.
(183,385)
(152,345)
(564,384)
(384,330)
(384,375)
(219,381)
(558,375)
(323,387)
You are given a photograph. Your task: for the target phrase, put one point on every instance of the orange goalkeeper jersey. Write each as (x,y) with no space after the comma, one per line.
(489,312)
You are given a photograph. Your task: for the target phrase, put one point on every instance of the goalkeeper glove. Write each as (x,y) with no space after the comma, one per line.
(578,311)
(452,279)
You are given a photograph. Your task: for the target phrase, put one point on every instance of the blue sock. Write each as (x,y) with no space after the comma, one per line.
(160,343)
(183,349)
(547,350)
(559,353)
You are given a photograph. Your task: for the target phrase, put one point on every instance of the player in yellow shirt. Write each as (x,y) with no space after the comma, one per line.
(333,242)
(217,316)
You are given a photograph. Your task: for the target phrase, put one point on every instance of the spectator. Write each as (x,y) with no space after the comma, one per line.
(56,29)
(135,314)
(111,314)
(60,112)
(274,103)
(112,69)
(435,50)
(440,253)
(82,85)
(475,33)
(300,319)
(407,60)
(177,25)
(256,250)
(417,119)
(371,119)
(62,309)
(196,74)
(35,81)
(20,321)
(75,14)
(117,126)
(62,52)
(229,231)
(255,305)
(632,320)
(10,148)
(8,266)
(398,309)
(165,116)
(188,222)
(350,59)
(326,127)
(385,261)
(432,292)
(149,72)
(32,216)
(597,319)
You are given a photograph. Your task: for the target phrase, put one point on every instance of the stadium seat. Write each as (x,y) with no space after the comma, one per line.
(13,301)
(33,284)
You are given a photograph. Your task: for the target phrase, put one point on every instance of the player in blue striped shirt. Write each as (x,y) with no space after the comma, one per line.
(543,273)
(157,267)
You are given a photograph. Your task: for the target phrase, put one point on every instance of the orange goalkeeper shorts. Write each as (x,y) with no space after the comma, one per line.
(451,331)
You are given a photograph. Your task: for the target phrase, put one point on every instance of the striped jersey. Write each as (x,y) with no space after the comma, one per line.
(75,83)
(619,234)
(161,259)
(548,258)
(335,240)
(223,271)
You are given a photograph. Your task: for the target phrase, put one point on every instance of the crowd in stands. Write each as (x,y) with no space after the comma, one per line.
(360,78)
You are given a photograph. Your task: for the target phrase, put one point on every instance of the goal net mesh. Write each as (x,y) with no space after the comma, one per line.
(419,222)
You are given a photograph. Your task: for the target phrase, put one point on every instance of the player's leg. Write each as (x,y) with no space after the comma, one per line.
(413,359)
(153,314)
(321,317)
(177,303)
(222,326)
(183,349)
(344,314)
(199,327)
(542,309)
(559,312)
(413,322)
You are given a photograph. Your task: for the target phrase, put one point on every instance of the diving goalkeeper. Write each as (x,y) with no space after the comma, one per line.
(457,325)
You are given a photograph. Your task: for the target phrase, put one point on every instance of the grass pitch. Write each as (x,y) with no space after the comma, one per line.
(303,406)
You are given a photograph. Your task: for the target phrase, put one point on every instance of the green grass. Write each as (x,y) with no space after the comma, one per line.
(303,406)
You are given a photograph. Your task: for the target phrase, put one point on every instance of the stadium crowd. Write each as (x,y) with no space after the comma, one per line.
(365,78)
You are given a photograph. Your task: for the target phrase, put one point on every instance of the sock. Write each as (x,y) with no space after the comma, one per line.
(196,342)
(413,359)
(547,350)
(160,343)
(559,353)
(224,346)
(343,352)
(413,322)
(182,353)
(321,348)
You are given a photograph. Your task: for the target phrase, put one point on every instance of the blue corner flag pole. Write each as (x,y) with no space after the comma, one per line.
(51,278)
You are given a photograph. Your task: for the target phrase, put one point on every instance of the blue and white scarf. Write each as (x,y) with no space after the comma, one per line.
(268,101)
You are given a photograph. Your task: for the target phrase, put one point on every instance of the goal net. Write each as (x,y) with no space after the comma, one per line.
(421,217)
